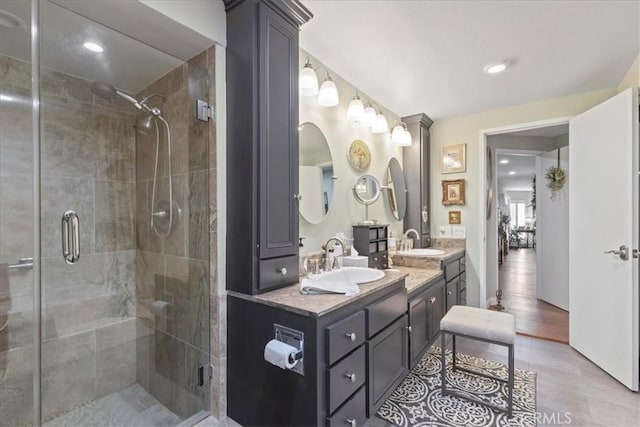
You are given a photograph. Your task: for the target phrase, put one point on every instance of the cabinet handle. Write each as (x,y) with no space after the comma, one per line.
(409,329)
(297,197)
(352,422)
(351,377)
(449,293)
(351,335)
(432,300)
(283,271)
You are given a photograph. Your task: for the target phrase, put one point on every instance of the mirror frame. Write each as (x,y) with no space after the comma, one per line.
(333,178)
(376,196)
(394,163)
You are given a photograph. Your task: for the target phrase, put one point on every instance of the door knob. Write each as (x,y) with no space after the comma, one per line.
(623,252)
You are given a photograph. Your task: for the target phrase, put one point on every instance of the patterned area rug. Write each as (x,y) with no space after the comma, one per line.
(417,400)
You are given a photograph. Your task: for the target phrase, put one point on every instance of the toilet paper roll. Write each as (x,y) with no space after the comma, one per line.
(159,308)
(280,354)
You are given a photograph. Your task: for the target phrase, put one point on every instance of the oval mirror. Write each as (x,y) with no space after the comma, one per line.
(396,190)
(316,174)
(367,189)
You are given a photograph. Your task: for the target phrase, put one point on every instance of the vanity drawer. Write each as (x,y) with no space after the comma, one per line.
(345,378)
(463,264)
(355,409)
(451,270)
(379,260)
(382,313)
(277,272)
(345,336)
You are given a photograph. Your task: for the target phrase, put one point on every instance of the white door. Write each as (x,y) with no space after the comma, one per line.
(603,198)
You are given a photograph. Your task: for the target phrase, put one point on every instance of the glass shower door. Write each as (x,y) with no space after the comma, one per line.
(16,216)
(125,278)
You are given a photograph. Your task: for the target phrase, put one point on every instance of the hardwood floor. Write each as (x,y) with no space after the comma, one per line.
(534,317)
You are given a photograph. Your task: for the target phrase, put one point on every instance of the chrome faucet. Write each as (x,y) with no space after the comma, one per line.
(336,265)
(404,243)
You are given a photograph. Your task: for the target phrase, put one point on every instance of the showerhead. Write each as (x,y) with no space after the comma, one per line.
(105,90)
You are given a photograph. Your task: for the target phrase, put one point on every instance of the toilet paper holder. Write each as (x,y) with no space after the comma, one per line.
(295,339)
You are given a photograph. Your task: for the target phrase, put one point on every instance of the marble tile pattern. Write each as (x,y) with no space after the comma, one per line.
(290,298)
(178,270)
(417,278)
(431,262)
(88,165)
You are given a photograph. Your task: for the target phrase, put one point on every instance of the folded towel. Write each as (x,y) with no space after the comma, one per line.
(311,287)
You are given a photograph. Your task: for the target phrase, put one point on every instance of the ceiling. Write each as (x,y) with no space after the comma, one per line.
(544,132)
(428,56)
(523,165)
(126,62)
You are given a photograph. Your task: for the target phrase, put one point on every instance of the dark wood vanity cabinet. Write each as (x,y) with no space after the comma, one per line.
(426,308)
(417,169)
(372,241)
(262,143)
(354,357)
(456,281)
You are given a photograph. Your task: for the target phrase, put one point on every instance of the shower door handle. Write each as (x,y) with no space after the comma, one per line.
(70,237)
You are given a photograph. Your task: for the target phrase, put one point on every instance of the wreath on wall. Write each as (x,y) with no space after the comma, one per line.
(556,178)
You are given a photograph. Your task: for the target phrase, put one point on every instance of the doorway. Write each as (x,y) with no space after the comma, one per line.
(527,246)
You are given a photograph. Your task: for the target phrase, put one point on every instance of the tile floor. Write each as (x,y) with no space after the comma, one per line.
(570,389)
(130,407)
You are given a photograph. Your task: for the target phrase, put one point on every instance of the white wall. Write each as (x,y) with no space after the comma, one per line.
(345,211)
(552,239)
(206,17)
(632,78)
(466,129)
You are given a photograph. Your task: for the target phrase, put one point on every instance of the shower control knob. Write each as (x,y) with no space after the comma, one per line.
(283,271)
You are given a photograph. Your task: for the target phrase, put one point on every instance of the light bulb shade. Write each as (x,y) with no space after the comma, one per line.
(406,139)
(355,112)
(397,135)
(380,124)
(308,81)
(328,95)
(369,117)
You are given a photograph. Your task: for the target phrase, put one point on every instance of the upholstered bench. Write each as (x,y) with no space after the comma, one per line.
(484,325)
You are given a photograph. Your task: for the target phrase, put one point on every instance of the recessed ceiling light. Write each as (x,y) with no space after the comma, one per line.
(496,68)
(7,98)
(512,173)
(504,161)
(93,47)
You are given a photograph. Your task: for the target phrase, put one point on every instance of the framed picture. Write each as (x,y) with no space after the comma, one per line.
(455,217)
(453,192)
(454,158)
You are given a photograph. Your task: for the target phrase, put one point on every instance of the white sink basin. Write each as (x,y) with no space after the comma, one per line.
(357,275)
(422,252)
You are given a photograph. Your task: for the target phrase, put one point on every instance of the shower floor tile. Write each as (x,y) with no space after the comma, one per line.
(130,407)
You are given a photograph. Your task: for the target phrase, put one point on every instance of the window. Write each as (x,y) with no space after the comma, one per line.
(517,212)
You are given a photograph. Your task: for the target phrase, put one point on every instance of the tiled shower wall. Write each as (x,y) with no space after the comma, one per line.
(88,165)
(174,272)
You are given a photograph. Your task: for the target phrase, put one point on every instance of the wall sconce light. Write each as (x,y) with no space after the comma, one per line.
(355,112)
(380,124)
(369,116)
(308,80)
(328,94)
(400,136)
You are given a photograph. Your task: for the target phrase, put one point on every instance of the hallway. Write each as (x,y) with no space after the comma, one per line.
(534,317)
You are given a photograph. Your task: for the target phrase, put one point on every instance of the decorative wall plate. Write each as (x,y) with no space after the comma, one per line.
(359,155)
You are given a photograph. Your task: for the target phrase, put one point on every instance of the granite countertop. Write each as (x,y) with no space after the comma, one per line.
(418,277)
(290,298)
